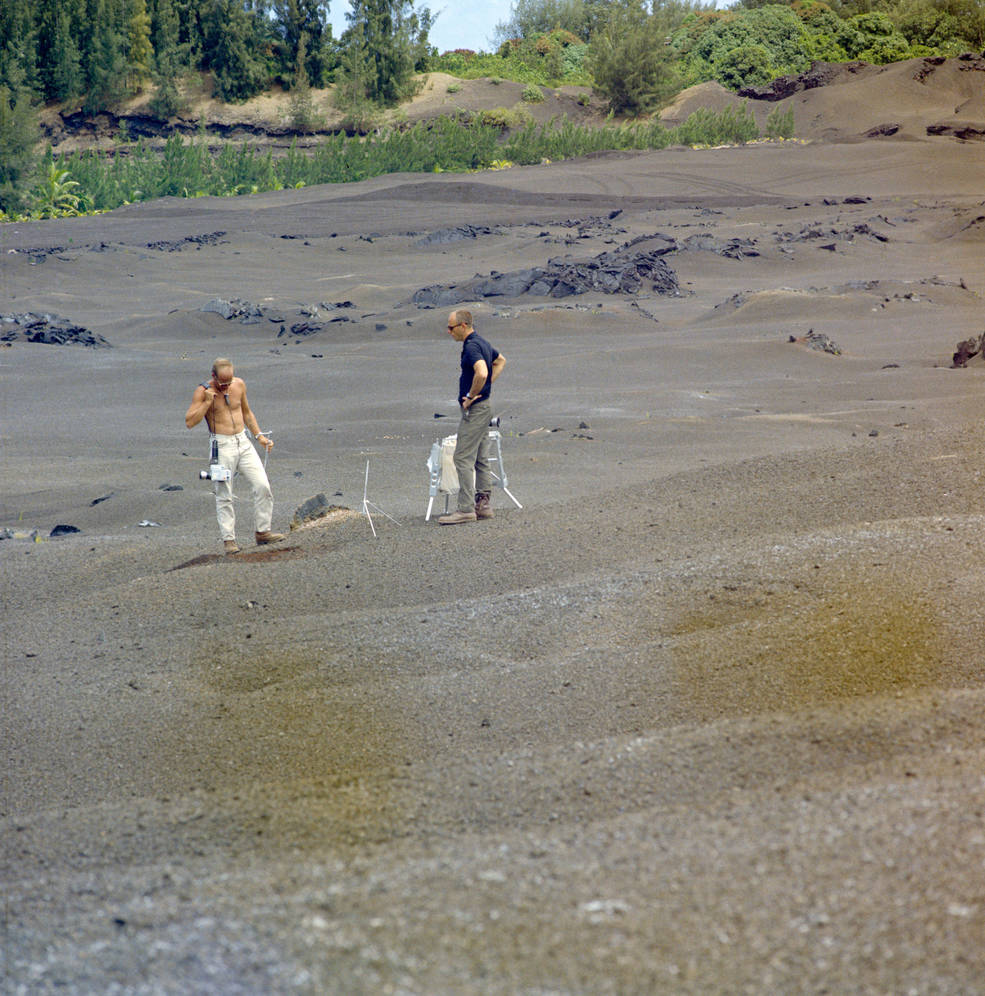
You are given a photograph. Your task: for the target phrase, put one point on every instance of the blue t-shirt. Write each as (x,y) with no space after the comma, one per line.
(475,348)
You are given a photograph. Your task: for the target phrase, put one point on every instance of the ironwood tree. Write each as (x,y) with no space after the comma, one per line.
(385,44)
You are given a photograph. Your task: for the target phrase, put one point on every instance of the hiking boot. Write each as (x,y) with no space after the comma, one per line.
(482,509)
(268,537)
(230,546)
(454,518)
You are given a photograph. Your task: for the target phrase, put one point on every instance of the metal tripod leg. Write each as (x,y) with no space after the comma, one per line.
(496,439)
(434,476)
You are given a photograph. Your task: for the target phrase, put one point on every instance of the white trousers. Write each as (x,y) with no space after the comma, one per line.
(239,455)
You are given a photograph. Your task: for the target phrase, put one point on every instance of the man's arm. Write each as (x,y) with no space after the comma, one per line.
(479,374)
(497,367)
(201,402)
(251,423)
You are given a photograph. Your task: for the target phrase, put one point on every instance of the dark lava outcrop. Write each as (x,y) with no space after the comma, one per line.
(622,271)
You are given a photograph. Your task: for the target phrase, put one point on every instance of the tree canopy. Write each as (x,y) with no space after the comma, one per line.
(385,44)
(633,66)
(104,50)
(101,51)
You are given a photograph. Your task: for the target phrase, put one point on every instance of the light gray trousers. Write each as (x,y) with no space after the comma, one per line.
(472,454)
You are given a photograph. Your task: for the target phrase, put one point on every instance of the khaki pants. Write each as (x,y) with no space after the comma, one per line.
(472,454)
(239,455)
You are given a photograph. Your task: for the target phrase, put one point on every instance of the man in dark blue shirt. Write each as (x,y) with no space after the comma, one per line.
(481,365)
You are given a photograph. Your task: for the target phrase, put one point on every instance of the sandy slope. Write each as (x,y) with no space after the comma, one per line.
(849,102)
(267,118)
(832,102)
(705,716)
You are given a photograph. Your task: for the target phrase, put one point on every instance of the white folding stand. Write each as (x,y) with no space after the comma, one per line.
(495,456)
(367,504)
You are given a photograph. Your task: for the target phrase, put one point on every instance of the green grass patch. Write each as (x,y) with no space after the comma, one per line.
(89,182)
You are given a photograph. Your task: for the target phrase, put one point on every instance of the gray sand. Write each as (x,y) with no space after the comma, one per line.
(705,716)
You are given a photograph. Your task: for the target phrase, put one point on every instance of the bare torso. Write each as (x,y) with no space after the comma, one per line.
(225,415)
(226,411)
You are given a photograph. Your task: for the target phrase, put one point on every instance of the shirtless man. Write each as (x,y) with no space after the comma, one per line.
(222,403)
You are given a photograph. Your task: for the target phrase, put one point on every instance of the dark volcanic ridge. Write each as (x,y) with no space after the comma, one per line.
(49,330)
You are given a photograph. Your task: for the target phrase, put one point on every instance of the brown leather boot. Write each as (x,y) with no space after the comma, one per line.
(268,537)
(482,509)
(230,546)
(455,518)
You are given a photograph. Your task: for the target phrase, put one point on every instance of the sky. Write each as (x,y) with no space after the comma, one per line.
(459,23)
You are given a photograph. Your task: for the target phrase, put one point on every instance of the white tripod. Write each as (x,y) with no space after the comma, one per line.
(434,465)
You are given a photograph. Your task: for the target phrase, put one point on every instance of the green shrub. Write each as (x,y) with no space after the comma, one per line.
(876,40)
(883,51)
(730,127)
(631,62)
(573,62)
(546,59)
(720,46)
(18,135)
(452,63)
(303,115)
(950,32)
(745,65)
(56,194)
(779,124)
(504,118)
(167,100)
(533,94)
